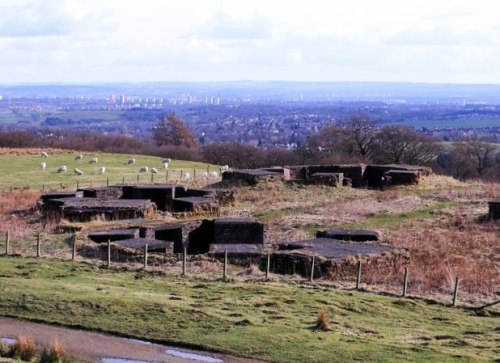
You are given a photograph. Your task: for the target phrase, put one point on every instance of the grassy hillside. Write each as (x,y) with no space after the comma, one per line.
(20,171)
(270,321)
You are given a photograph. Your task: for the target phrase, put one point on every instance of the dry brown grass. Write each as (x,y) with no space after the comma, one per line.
(322,321)
(55,352)
(32,151)
(14,207)
(24,348)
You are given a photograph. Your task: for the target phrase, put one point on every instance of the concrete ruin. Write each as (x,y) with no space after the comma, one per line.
(113,235)
(296,257)
(494,210)
(356,235)
(355,175)
(225,231)
(139,244)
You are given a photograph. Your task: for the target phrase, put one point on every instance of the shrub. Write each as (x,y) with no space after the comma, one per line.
(54,353)
(322,321)
(24,348)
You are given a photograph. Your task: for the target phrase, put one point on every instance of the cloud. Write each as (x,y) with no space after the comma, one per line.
(436,36)
(42,18)
(228,27)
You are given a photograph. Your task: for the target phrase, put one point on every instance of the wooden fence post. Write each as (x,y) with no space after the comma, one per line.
(182,173)
(109,253)
(123,180)
(7,242)
(166,176)
(358,275)
(137,178)
(455,291)
(73,253)
(224,272)
(77,184)
(312,269)
(152,178)
(405,281)
(38,242)
(184,261)
(268,265)
(107,182)
(43,187)
(146,256)
(194,173)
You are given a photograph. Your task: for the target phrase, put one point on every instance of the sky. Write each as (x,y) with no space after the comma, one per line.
(101,41)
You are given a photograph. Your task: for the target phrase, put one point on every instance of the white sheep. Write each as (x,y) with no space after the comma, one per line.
(94,160)
(79,157)
(154,171)
(213,174)
(62,169)
(43,166)
(204,174)
(224,168)
(186,176)
(143,169)
(130,161)
(165,164)
(78,171)
(102,170)
(168,160)
(44,154)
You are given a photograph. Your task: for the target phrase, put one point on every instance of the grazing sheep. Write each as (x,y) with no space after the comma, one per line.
(43,166)
(154,171)
(213,174)
(93,160)
(224,168)
(62,169)
(143,169)
(102,170)
(186,176)
(168,160)
(78,171)
(204,174)
(165,164)
(130,161)
(79,157)
(43,154)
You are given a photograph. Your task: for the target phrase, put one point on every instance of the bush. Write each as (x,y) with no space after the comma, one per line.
(24,348)
(54,353)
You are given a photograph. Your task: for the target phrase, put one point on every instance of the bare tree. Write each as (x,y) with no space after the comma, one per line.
(403,145)
(170,130)
(358,134)
(479,152)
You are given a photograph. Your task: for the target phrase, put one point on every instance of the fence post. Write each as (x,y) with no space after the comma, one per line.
(123,180)
(184,261)
(312,269)
(38,242)
(146,256)
(77,184)
(73,253)
(107,182)
(224,272)
(7,242)
(405,282)
(152,178)
(182,173)
(43,187)
(268,264)
(194,173)
(455,291)
(358,275)
(109,253)
(166,176)
(137,178)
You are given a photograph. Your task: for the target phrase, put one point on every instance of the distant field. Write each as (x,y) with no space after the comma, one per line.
(452,123)
(23,171)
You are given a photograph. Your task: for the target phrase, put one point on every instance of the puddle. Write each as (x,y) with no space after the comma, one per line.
(123,360)
(139,341)
(193,356)
(8,340)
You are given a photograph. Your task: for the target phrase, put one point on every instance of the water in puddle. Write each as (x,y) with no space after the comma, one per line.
(193,356)
(8,340)
(138,341)
(123,360)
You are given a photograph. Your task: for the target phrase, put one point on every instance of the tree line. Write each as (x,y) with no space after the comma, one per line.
(355,139)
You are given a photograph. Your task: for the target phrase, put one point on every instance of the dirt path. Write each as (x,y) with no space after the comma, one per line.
(92,346)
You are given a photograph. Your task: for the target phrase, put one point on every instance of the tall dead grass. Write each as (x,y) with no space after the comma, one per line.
(24,348)
(55,352)
(14,207)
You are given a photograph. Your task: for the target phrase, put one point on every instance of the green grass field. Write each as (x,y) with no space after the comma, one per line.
(270,321)
(22,171)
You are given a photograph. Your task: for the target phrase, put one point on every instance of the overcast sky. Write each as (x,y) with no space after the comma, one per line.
(89,41)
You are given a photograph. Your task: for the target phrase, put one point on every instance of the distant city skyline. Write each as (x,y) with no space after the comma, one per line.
(92,41)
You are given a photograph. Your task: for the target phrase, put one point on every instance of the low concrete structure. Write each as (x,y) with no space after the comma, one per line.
(112,192)
(236,250)
(166,232)
(225,231)
(331,179)
(494,210)
(253,176)
(375,175)
(154,245)
(113,235)
(357,235)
